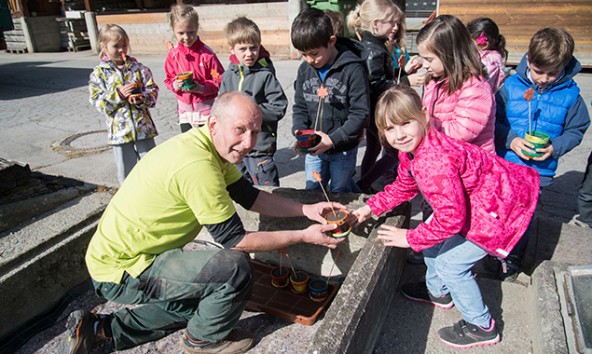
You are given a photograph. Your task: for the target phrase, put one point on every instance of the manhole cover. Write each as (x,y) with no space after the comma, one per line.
(90,142)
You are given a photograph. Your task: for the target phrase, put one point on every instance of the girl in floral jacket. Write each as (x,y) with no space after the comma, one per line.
(123,89)
(482,205)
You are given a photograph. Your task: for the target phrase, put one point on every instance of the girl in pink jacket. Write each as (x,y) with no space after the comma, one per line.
(459,100)
(492,48)
(195,96)
(482,205)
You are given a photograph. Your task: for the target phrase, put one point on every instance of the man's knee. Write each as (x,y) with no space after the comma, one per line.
(230,267)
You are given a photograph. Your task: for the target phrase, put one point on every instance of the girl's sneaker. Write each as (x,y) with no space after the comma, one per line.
(465,335)
(419,292)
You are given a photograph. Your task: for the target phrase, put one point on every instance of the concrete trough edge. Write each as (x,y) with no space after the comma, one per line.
(354,320)
(13,214)
(547,327)
(35,286)
(88,213)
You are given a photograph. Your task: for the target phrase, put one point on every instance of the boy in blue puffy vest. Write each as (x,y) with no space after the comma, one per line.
(557,109)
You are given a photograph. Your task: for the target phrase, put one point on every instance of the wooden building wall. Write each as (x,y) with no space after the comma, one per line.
(518,20)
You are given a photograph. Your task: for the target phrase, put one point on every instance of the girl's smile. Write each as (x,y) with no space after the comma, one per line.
(405,137)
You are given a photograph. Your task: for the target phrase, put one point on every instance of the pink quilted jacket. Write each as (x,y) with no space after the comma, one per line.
(468,114)
(483,197)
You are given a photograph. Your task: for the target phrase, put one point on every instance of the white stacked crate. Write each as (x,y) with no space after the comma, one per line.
(73,31)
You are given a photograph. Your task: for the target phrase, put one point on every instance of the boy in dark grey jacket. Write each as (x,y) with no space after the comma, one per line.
(251,71)
(331,97)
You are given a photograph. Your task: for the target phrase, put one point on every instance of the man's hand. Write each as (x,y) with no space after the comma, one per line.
(393,236)
(318,235)
(316,211)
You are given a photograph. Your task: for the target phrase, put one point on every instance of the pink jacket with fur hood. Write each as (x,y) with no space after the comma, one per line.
(468,114)
(483,197)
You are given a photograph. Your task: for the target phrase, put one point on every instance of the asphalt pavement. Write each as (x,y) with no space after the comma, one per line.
(47,122)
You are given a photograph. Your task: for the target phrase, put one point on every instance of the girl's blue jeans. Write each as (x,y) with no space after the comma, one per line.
(205,291)
(336,170)
(127,156)
(449,266)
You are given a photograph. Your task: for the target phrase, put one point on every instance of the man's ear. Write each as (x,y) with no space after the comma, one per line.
(212,121)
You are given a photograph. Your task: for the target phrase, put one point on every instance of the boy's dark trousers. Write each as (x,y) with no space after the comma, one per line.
(260,170)
(584,201)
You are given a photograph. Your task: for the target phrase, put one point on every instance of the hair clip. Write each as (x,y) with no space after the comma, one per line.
(481,40)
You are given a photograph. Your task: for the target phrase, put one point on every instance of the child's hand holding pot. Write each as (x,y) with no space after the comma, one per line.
(177,85)
(325,144)
(136,98)
(547,152)
(519,144)
(196,88)
(126,90)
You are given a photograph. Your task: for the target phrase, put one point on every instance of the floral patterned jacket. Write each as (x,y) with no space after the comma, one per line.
(126,122)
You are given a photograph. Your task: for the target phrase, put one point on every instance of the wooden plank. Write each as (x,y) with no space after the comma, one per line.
(519,20)
(446,3)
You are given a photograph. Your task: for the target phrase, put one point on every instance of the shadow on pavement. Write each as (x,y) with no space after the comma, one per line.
(30,79)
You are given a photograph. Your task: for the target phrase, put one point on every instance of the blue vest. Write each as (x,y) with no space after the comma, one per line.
(547,110)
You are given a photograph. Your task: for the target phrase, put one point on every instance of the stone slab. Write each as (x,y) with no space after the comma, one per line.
(41,261)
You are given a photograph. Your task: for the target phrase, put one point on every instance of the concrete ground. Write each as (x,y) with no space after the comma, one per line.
(44,101)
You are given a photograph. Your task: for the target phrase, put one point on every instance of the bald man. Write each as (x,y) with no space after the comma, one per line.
(136,256)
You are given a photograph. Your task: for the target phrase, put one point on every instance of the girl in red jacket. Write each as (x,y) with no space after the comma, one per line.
(459,100)
(195,95)
(482,205)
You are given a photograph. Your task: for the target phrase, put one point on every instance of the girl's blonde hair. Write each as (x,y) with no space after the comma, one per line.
(183,13)
(448,39)
(397,105)
(109,33)
(370,10)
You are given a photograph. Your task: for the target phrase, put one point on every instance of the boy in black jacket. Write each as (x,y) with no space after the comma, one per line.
(331,97)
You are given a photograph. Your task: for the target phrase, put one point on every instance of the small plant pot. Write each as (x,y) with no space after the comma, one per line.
(135,96)
(340,218)
(299,281)
(318,289)
(280,277)
(307,139)
(538,139)
(187,78)
(137,89)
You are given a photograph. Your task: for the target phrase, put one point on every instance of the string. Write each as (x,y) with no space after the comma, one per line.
(333,266)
